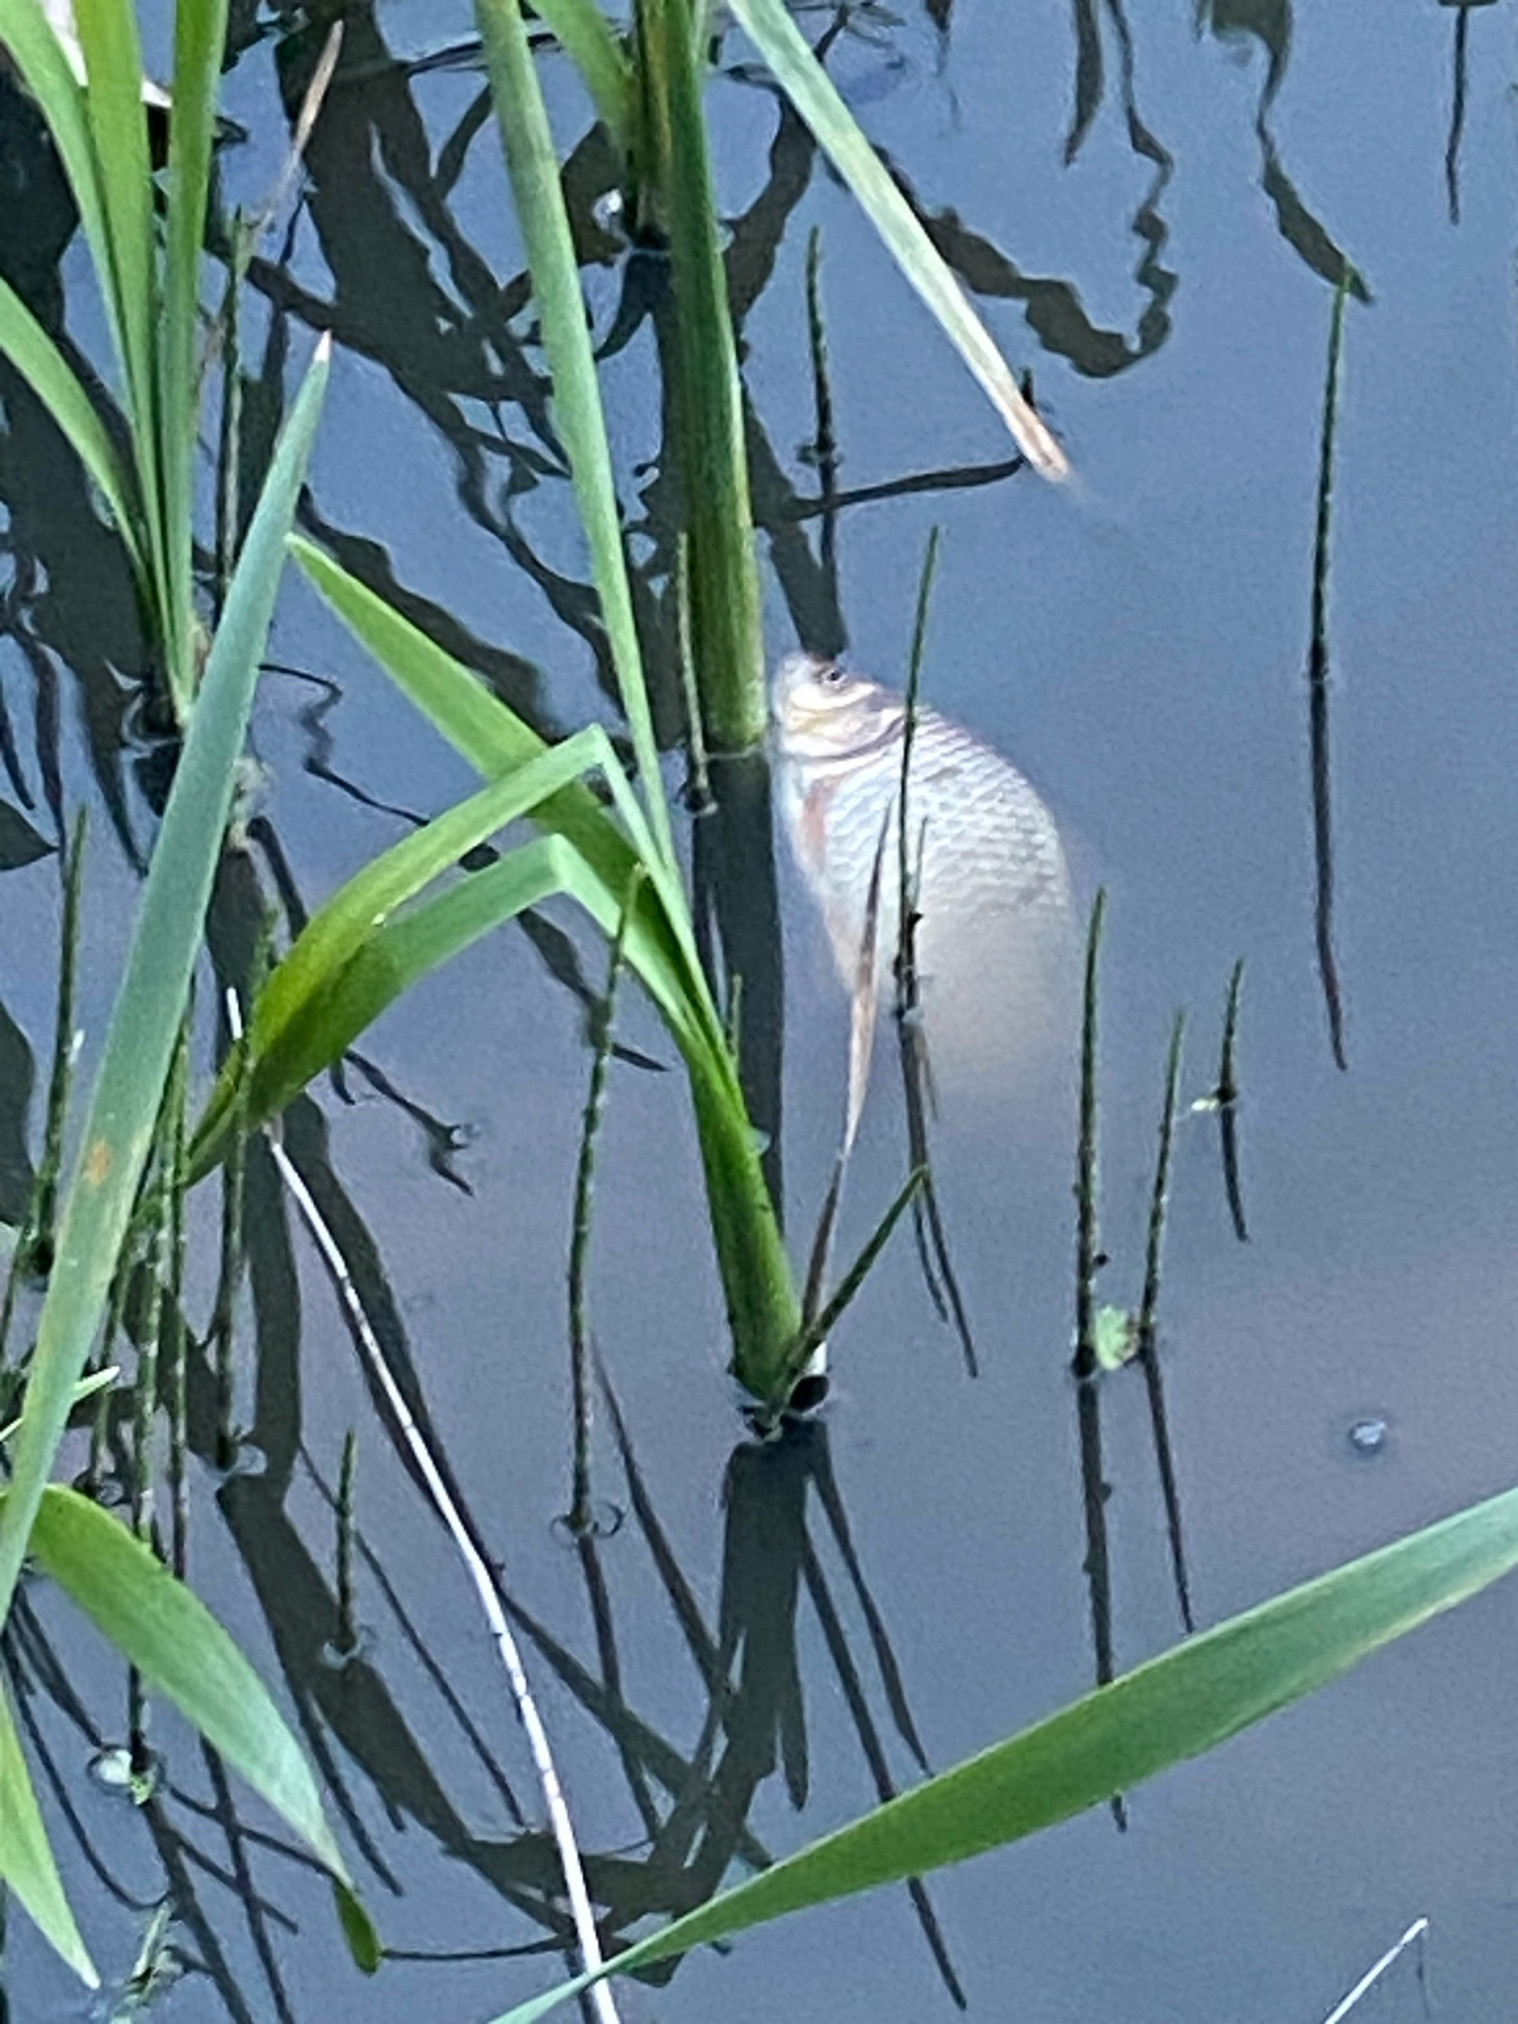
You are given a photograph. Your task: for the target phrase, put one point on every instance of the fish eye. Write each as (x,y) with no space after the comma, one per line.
(831,674)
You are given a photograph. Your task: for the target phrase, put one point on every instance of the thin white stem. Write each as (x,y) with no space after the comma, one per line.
(479,1572)
(1373,1975)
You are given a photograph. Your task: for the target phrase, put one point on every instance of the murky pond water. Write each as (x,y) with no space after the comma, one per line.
(1155,212)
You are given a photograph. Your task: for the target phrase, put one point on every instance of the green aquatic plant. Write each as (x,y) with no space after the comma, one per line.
(153,1618)
(1187,1701)
(149,282)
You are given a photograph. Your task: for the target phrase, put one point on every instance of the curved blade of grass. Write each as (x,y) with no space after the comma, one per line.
(35,50)
(534,172)
(479,726)
(1178,1706)
(27,1867)
(51,378)
(200,28)
(336,933)
(182,1652)
(145,1020)
(585,35)
(785,49)
(411,947)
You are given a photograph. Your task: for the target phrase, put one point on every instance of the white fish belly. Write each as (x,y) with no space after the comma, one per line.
(995,935)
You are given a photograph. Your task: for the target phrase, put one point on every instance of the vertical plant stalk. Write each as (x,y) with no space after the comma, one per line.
(533,170)
(1146,1331)
(1226,1097)
(35,1242)
(176,1375)
(581,1515)
(912,1042)
(1317,685)
(45,1215)
(347,1617)
(1459,69)
(702,382)
(762,1307)
(824,447)
(1085,1365)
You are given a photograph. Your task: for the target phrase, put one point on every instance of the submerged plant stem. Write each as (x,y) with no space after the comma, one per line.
(581,1516)
(1148,1345)
(1317,682)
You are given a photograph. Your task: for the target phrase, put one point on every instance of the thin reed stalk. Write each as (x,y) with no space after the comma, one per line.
(1318,684)
(1146,1327)
(581,1517)
(912,1040)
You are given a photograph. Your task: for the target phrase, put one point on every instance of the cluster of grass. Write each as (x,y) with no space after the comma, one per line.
(610,847)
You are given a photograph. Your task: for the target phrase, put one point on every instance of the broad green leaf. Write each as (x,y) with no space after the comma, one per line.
(27,1867)
(774,33)
(145,1020)
(42,365)
(589,40)
(163,1628)
(200,28)
(534,171)
(1178,1706)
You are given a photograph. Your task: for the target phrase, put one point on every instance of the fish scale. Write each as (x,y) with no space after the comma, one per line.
(994,895)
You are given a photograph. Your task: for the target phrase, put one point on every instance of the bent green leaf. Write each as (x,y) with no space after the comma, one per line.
(42,365)
(1178,1706)
(182,1652)
(26,1861)
(785,49)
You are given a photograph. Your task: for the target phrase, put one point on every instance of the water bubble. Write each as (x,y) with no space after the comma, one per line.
(1369,1436)
(115,1769)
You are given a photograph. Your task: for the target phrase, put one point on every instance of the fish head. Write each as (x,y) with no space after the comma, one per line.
(824,712)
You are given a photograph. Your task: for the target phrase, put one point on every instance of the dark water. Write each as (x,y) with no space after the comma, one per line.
(905,1575)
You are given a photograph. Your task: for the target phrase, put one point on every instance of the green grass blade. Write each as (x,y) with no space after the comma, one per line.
(495,740)
(585,35)
(334,935)
(785,49)
(162,1627)
(1178,1706)
(701,377)
(199,35)
(37,53)
(141,1037)
(403,952)
(27,1868)
(534,172)
(118,124)
(51,378)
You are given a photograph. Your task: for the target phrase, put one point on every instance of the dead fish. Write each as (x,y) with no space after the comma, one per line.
(995,936)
